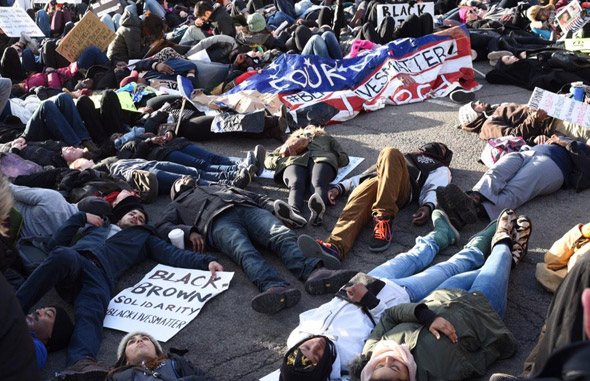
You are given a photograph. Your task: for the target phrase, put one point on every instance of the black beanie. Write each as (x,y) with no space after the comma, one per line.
(128,204)
(296,367)
(435,150)
(62,330)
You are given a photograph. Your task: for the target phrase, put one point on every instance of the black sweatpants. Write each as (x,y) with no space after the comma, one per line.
(297,178)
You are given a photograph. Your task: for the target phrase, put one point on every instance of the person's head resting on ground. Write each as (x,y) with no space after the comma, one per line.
(152,26)
(138,348)
(71,154)
(389,361)
(467,14)
(311,359)
(241,61)
(256,23)
(203,10)
(129,212)
(52,326)
(438,151)
(182,185)
(539,13)
(473,111)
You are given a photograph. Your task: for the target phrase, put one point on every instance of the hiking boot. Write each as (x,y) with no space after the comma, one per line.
(505,224)
(520,239)
(275,127)
(323,281)
(460,208)
(86,369)
(146,184)
(444,232)
(259,156)
(381,239)
(317,207)
(288,215)
(483,239)
(312,248)
(275,299)
(461,96)
(242,179)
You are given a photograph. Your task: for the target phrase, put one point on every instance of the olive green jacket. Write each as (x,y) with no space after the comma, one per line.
(322,149)
(482,336)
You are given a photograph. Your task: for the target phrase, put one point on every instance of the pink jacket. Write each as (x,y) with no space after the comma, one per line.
(55,79)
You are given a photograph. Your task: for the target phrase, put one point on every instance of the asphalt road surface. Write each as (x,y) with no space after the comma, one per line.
(229,341)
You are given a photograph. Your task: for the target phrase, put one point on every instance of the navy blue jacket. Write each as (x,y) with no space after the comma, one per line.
(128,247)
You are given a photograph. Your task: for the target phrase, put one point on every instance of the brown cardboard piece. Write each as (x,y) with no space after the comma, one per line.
(90,31)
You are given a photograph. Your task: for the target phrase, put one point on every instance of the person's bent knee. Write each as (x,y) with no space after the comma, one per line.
(391,153)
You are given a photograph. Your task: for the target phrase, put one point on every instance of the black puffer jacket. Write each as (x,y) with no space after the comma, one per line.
(182,367)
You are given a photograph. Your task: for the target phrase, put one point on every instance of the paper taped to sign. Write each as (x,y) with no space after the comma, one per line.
(106,7)
(14,21)
(164,301)
(570,17)
(399,12)
(90,31)
(560,107)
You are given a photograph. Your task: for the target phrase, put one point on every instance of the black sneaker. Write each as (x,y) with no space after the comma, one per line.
(382,234)
(312,248)
(460,208)
(275,299)
(323,281)
(242,179)
(317,207)
(461,96)
(259,156)
(288,215)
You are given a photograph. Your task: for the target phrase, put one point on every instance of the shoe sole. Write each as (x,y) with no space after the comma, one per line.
(459,202)
(460,96)
(272,303)
(287,216)
(495,56)
(311,249)
(453,228)
(260,156)
(380,249)
(329,285)
(317,208)
(452,216)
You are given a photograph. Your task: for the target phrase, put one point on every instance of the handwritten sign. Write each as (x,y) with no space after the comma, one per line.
(400,12)
(164,301)
(14,21)
(560,107)
(106,7)
(90,31)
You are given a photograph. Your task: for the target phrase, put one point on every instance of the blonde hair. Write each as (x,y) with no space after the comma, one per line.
(6,203)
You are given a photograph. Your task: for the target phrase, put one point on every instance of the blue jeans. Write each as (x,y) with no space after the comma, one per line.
(276,19)
(80,280)
(28,61)
(325,46)
(199,158)
(154,7)
(231,232)
(167,173)
(92,56)
(179,66)
(42,21)
(57,119)
(286,7)
(404,268)
(491,280)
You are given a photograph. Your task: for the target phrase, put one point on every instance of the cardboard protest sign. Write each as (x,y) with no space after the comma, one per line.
(570,17)
(14,21)
(106,7)
(164,301)
(90,31)
(560,107)
(401,11)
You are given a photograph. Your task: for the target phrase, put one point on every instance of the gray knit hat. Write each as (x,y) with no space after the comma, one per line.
(123,343)
(467,114)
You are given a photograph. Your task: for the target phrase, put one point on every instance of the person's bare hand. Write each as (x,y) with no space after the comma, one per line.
(332,194)
(557,140)
(541,139)
(198,242)
(214,267)
(406,79)
(356,292)
(540,115)
(443,325)
(145,110)
(199,22)
(421,215)
(18,144)
(159,140)
(164,69)
(94,220)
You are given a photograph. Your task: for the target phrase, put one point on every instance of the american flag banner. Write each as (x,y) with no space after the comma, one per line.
(324,91)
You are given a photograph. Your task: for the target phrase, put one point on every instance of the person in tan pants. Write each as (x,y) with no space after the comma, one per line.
(380,192)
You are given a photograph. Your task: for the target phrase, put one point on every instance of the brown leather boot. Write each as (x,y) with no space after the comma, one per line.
(86,369)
